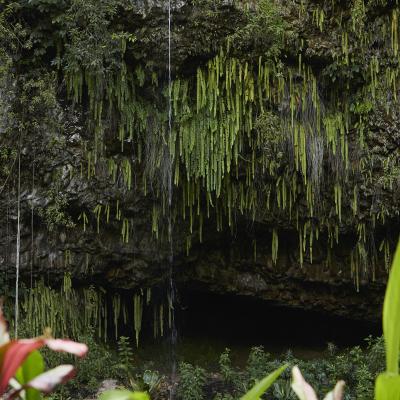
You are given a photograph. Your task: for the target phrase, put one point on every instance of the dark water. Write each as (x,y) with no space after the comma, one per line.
(207,324)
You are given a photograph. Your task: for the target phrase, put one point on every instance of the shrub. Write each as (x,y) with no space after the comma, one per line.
(92,370)
(225,367)
(192,381)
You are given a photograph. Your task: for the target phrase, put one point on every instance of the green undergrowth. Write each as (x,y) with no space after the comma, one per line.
(358,366)
(99,364)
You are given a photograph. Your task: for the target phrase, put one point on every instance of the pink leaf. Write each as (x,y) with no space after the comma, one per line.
(4,336)
(337,392)
(14,355)
(68,346)
(47,381)
(299,385)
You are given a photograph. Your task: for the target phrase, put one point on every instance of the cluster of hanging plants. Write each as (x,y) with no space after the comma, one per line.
(272,134)
(227,116)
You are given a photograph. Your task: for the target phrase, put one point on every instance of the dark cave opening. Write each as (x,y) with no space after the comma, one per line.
(246,320)
(208,323)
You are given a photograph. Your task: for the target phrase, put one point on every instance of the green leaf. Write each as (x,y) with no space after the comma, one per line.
(260,388)
(32,367)
(387,387)
(391,316)
(124,395)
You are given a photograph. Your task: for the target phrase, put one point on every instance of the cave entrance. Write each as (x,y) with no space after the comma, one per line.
(209,323)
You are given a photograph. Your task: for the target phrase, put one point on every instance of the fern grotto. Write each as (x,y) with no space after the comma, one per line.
(180,177)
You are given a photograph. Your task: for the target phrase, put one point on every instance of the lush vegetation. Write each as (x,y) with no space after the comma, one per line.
(285,118)
(280,114)
(357,366)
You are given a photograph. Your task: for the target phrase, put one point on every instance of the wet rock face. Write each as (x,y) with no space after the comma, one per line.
(226,265)
(289,288)
(221,264)
(232,262)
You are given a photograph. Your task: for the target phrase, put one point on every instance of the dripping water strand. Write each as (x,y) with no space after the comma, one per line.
(8,252)
(169,104)
(171,289)
(18,245)
(32,215)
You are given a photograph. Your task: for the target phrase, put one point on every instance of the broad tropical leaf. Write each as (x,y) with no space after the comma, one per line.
(301,387)
(67,346)
(47,381)
(391,316)
(15,354)
(31,368)
(304,391)
(387,387)
(261,387)
(337,392)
